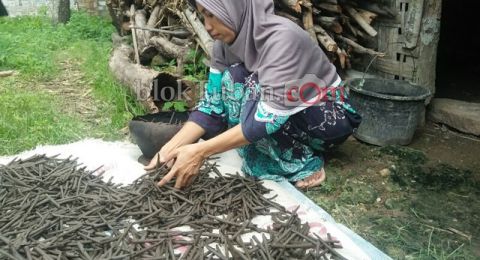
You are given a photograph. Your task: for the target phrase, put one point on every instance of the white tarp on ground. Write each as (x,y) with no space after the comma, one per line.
(119,163)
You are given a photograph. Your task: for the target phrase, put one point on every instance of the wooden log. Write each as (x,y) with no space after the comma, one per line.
(152,21)
(333,8)
(358,48)
(308,20)
(292,5)
(329,23)
(181,33)
(136,77)
(203,38)
(166,48)
(324,38)
(356,32)
(180,41)
(367,15)
(134,34)
(141,22)
(152,2)
(326,19)
(342,57)
(361,21)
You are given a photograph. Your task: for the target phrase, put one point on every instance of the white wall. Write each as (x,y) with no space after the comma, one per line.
(32,7)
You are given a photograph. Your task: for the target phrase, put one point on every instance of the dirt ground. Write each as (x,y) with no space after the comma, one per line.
(415,202)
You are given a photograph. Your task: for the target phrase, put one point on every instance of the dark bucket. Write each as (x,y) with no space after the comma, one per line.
(151,132)
(390,110)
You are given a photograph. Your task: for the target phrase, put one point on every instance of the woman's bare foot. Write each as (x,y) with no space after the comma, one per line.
(313,180)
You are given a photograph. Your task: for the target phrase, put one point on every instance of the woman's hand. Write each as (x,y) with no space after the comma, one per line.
(188,160)
(189,133)
(159,157)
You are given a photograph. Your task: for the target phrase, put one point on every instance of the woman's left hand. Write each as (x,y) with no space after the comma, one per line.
(188,160)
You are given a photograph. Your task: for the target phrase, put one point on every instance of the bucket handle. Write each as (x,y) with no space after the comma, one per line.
(372,60)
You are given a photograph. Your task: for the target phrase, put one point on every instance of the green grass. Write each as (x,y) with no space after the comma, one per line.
(35,48)
(29,43)
(120,104)
(29,118)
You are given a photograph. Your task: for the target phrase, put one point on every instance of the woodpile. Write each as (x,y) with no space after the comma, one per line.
(343,28)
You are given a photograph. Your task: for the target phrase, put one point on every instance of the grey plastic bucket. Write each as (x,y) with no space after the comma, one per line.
(390,109)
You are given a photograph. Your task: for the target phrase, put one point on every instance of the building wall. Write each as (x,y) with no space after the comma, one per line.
(32,7)
(24,7)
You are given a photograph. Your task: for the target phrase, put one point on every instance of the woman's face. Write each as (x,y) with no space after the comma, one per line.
(215,27)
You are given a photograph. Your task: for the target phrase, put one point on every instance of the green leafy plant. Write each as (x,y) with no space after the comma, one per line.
(194,65)
(169,66)
(177,105)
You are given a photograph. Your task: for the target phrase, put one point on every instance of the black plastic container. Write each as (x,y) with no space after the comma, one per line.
(390,109)
(151,132)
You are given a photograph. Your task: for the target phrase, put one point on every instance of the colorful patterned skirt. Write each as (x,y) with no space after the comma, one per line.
(281,147)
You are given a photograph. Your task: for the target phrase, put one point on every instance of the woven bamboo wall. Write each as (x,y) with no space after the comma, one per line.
(410,42)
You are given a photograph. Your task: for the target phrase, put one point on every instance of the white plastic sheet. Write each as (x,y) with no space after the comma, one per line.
(118,160)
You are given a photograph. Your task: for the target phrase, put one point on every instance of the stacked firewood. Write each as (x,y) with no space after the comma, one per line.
(169,29)
(343,28)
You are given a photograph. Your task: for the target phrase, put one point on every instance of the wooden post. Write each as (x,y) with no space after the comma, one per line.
(428,44)
(412,24)
(134,34)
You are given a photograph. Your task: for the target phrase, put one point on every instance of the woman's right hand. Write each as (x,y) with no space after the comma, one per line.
(159,157)
(190,133)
